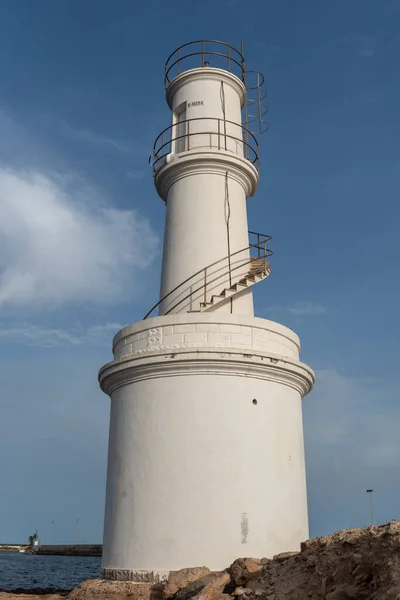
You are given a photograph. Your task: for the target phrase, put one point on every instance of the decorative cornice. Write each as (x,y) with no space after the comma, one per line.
(207,319)
(206,162)
(206,73)
(235,363)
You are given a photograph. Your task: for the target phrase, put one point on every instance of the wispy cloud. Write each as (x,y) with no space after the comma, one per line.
(299,309)
(61,243)
(307,309)
(136,175)
(102,141)
(28,334)
(361,44)
(352,443)
(367,52)
(345,414)
(31,335)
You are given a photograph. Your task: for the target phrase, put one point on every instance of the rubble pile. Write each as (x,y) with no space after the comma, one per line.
(354,564)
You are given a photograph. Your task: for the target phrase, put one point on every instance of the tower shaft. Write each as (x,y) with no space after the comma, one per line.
(206,454)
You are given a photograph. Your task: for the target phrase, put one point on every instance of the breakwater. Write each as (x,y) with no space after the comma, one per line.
(56,549)
(70,550)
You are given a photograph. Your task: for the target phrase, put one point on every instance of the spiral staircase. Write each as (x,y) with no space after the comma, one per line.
(258,267)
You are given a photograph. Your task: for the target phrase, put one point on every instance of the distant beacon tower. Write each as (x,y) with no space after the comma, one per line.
(206,456)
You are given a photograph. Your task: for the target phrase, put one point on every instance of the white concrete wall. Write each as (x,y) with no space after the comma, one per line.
(207,330)
(196,235)
(199,473)
(206,459)
(210,94)
(194,464)
(206,215)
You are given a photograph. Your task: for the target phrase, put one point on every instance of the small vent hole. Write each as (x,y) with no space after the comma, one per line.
(255,402)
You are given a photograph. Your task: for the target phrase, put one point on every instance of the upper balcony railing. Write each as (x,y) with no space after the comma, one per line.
(204,53)
(205,133)
(213,53)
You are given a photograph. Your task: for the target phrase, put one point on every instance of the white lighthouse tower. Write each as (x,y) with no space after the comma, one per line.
(206,453)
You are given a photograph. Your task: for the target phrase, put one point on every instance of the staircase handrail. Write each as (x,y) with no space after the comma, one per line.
(261,245)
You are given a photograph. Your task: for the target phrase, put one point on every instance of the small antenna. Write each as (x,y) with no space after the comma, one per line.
(243,63)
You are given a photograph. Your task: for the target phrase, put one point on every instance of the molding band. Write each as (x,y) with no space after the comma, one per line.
(236,363)
(208,161)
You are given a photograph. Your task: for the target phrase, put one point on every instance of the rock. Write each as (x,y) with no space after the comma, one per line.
(306,545)
(311,561)
(355,564)
(101,589)
(179,580)
(323,540)
(284,555)
(242,591)
(345,593)
(244,570)
(209,587)
(39,595)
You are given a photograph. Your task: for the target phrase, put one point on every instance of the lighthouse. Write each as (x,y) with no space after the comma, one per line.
(206,453)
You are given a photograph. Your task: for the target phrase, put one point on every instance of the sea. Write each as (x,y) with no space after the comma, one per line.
(28,572)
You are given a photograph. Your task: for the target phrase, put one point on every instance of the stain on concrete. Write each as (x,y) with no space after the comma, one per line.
(244,527)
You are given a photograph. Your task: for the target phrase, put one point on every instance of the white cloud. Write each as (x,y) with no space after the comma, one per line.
(356,416)
(299,309)
(96,139)
(367,52)
(306,309)
(33,335)
(61,245)
(361,44)
(103,331)
(135,175)
(352,444)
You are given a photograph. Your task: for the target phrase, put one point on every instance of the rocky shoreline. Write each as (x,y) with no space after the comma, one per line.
(40,592)
(354,564)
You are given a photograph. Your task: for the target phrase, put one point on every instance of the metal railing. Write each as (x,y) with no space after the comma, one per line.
(263,253)
(217,138)
(225,56)
(255,108)
(217,54)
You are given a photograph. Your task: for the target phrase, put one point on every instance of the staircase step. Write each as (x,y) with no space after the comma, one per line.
(227,293)
(238,285)
(259,270)
(216,298)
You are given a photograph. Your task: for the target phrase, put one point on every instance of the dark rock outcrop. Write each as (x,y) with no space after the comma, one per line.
(354,564)
(179,580)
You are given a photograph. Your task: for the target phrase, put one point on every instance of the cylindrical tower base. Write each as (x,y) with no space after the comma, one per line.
(206,458)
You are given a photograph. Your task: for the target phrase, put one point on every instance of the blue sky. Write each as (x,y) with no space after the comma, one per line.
(81,102)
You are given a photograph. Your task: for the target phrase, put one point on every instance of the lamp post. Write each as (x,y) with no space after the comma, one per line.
(370,505)
(52,532)
(77,531)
